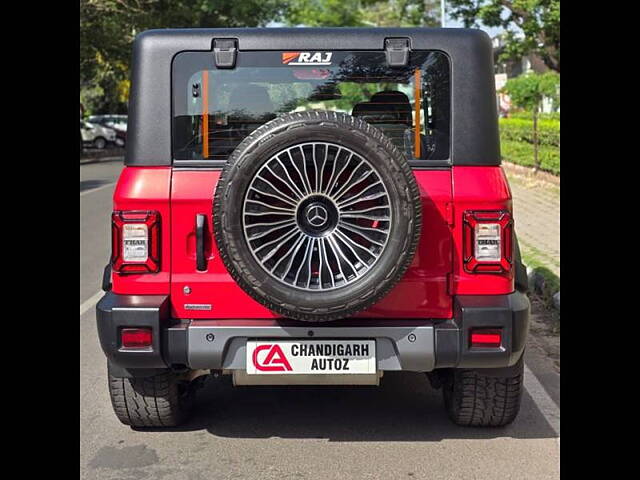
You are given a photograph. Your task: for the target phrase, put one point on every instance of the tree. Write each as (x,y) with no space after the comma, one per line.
(532,26)
(324,13)
(401,13)
(108,28)
(527,91)
(360,13)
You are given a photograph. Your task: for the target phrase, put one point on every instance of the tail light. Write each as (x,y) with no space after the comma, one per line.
(485,338)
(488,240)
(135,241)
(136,337)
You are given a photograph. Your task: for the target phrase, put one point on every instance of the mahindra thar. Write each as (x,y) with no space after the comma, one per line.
(313,207)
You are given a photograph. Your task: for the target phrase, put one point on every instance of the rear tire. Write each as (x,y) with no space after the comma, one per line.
(476,400)
(158,401)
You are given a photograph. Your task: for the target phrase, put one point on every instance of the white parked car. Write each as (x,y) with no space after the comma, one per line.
(96,135)
(116,122)
(113,121)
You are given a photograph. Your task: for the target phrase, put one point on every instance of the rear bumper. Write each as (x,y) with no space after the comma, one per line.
(413,345)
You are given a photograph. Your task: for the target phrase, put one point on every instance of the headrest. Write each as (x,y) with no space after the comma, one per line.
(250,100)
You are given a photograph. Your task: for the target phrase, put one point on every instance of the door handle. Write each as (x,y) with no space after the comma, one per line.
(201,263)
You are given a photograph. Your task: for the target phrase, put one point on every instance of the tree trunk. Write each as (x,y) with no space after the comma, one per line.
(536,161)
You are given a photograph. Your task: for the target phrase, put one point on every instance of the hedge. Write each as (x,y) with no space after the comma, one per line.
(521,153)
(527,115)
(516,135)
(521,130)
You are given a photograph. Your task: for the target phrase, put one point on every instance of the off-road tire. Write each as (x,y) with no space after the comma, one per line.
(322,126)
(476,400)
(157,401)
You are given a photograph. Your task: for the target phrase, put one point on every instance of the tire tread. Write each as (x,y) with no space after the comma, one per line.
(148,401)
(401,169)
(477,400)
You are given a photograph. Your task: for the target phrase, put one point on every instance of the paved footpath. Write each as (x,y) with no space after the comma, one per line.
(536,207)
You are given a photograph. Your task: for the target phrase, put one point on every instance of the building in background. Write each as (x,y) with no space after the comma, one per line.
(503,100)
(505,69)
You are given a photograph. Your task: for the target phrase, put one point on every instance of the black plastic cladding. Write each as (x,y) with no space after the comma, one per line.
(474,121)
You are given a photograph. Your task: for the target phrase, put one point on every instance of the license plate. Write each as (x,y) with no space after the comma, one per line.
(311,357)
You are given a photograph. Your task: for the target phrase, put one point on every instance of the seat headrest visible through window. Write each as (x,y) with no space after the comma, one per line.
(366,110)
(251,101)
(394,101)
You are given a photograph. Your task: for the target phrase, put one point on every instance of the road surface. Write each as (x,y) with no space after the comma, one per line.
(396,431)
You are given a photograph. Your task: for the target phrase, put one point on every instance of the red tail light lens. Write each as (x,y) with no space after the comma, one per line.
(135,238)
(485,337)
(136,337)
(488,241)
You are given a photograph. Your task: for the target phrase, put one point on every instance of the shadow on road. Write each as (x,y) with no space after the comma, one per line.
(89,184)
(403,408)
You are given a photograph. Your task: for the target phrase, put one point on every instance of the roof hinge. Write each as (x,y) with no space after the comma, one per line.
(225,51)
(397,51)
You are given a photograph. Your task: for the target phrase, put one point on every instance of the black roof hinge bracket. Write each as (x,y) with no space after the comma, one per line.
(397,51)
(225,51)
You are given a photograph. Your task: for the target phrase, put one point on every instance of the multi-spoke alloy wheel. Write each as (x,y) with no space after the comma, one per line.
(317,216)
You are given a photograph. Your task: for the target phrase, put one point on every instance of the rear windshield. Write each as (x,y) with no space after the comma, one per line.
(215,109)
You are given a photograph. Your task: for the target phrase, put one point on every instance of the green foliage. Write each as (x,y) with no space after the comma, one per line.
(531,26)
(538,261)
(517,142)
(529,116)
(358,13)
(521,130)
(527,91)
(401,13)
(324,13)
(108,28)
(521,153)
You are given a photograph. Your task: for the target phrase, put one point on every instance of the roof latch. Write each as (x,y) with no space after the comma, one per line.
(397,51)
(225,51)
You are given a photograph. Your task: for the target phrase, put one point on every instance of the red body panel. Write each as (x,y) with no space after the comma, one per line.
(478,188)
(147,188)
(425,291)
(192,193)
(422,293)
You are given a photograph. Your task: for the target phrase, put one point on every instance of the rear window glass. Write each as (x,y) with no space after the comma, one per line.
(215,109)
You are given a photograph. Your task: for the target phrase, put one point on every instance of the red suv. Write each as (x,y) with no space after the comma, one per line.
(313,207)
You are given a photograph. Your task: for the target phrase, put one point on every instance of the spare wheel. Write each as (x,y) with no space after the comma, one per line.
(317,215)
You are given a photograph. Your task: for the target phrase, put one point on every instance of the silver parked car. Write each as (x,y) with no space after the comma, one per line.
(96,135)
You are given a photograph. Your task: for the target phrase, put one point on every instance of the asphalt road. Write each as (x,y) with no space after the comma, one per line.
(395,431)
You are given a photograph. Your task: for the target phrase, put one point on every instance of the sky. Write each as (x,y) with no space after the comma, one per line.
(492,31)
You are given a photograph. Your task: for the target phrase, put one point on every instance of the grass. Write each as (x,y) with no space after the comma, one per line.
(521,153)
(528,115)
(539,262)
(516,138)
(538,258)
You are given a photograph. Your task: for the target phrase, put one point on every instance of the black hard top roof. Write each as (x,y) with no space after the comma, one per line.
(474,125)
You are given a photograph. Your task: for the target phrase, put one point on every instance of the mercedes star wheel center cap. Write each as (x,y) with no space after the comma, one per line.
(317,215)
